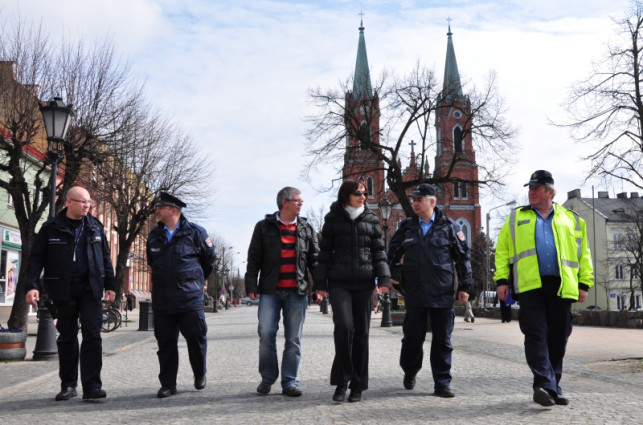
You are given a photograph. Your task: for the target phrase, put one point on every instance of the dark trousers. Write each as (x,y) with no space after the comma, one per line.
(352,319)
(505,312)
(546,321)
(192,326)
(89,310)
(415,328)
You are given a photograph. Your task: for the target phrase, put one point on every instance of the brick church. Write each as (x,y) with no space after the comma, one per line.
(459,200)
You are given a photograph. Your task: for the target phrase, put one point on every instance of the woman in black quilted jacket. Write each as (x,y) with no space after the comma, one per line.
(352,255)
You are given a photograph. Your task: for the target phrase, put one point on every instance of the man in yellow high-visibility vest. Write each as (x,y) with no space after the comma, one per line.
(543,255)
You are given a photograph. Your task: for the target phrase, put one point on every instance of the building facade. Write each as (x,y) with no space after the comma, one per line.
(611,224)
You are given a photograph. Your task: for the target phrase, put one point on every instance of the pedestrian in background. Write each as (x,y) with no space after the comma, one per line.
(434,249)
(352,255)
(181,256)
(282,251)
(542,255)
(73,250)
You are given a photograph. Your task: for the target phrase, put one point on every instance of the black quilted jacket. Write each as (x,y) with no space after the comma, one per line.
(352,252)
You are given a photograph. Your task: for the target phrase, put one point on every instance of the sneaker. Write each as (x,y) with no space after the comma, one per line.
(291,391)
(264,388)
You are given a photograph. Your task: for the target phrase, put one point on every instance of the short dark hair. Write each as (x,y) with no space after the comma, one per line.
(348,186)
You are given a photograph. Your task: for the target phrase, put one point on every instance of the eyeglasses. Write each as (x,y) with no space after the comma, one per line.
(296,201)
(90,202)
(358,194)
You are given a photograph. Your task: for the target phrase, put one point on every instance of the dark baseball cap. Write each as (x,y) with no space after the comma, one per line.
(539,178)
(423,189)
(165,198)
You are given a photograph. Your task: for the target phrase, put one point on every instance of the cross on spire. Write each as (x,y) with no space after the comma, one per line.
(449,21)
(412,144)
(361,18)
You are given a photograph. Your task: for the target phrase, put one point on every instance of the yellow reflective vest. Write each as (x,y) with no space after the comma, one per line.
(516,252)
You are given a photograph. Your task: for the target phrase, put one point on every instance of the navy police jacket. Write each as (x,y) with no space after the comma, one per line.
(431,261)
(53,250)
(179,267)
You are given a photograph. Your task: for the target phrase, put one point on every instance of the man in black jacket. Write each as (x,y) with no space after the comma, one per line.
(432,247)
(181,256)
(74,252)
(282,250)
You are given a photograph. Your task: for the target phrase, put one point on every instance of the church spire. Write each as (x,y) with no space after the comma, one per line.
(362,79)
(452,86)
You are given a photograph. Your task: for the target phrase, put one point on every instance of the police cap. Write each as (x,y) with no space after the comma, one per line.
(165,199)
(540,178)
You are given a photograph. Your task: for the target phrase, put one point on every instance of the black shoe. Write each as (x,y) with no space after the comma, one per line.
(93,394)
(559,399)
(66,394)
(355,396)
(473,319)
(340,393)
(165,392)
(542,397)
(444,392)
(409,382)
(199,382)
(291,391)
(264,388)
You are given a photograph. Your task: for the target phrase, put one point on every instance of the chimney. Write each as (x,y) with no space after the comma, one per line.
(603,195)
(573,194)
(634,195)
(622,195)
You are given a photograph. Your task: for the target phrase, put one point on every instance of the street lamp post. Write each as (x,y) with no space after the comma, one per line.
(57,117)
(386,208)
(487,280)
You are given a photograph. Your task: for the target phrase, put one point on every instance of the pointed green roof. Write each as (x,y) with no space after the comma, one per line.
(452,84)
(362,78)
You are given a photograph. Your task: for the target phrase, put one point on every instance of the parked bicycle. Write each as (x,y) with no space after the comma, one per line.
(112,318)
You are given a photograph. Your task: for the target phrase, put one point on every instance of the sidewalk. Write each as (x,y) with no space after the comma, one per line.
(491,380)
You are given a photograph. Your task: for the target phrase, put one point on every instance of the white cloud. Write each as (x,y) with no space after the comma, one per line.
(235,74)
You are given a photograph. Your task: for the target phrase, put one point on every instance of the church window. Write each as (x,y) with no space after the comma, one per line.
(369,186)
(364,135)
(460,190)
(458,140)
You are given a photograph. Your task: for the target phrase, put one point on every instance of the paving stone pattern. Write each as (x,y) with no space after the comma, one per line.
(491,381)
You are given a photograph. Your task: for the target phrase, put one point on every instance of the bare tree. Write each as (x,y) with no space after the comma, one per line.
(144,154)
(403,109)
(633,247)
(606,110)
(25,54)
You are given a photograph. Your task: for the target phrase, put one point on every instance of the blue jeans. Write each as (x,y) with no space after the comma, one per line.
(294,310)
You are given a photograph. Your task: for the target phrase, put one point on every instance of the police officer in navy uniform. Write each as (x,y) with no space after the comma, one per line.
(74,252)
(433,249)
(181,256)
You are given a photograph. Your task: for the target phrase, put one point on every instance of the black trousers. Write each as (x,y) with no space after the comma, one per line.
(89,310)
(415,328)
(546,321)
(352,319)
(192,326)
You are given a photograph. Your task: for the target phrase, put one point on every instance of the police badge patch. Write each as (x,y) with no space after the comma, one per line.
(460,235)
(209,242)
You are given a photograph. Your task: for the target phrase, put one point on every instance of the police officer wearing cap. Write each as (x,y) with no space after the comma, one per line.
(433,250)
(181,256)
(543,254)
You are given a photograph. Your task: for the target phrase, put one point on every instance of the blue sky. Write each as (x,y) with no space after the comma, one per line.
(236,75)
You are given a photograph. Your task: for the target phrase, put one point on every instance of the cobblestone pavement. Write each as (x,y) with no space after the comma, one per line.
(491,381)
